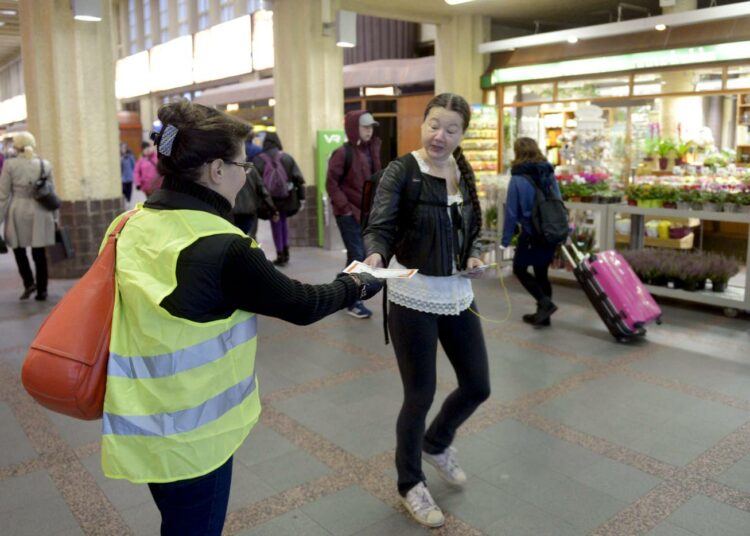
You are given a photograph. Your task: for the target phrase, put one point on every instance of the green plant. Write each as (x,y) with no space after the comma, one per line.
(681,148)
(650,146)
(490,218)
(721,268)
(665,147)
(573,189)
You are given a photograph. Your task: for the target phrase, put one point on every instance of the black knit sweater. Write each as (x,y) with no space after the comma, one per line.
(219,274)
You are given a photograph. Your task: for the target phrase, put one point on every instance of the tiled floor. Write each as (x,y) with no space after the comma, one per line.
(581,435)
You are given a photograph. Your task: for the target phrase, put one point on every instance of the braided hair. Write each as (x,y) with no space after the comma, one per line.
(471,183)
(456,103)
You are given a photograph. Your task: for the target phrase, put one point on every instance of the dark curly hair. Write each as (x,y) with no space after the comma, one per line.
(203,135)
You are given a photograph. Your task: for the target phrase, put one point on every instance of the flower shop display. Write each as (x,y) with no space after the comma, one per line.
(586,187)
(711,193)
(680,269)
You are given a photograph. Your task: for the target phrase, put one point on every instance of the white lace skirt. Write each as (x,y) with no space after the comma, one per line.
(431,294)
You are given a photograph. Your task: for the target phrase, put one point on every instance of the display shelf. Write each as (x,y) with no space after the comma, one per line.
(737,295)
(480,141)
(686,242)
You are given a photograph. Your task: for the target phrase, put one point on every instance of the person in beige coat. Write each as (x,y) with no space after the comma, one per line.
(27,223)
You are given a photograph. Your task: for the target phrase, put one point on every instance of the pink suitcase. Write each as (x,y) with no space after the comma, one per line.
(617,294)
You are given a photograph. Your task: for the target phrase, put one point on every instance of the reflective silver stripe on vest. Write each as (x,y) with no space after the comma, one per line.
(159,366)
(186,420)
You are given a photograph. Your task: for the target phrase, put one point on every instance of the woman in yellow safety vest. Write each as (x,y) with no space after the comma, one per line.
(182,393)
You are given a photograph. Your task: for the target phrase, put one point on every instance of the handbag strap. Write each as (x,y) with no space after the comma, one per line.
(42,176)
(115,234)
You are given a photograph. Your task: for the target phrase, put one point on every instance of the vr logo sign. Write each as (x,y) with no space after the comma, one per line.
(334,138)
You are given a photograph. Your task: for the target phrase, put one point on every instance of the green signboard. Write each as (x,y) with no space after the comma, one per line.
(327,142)
(625,62)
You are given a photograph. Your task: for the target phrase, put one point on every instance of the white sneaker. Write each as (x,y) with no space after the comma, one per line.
(447,466)
(422,507)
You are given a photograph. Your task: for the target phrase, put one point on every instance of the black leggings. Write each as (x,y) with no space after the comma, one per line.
(415,336)
(40,263)
(537,285)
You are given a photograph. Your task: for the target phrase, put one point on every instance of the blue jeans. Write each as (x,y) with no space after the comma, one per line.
(194,507)
(351,234)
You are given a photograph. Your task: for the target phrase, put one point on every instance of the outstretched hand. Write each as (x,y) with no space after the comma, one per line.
(374,260)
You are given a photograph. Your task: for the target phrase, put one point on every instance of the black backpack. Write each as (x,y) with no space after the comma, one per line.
(549,216)
(410,195)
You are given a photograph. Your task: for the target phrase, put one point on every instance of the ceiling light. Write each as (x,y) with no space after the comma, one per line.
(660,27)
(456,2)
(346,29)
(8,12)
(572,39)
(233,107)
(87,10)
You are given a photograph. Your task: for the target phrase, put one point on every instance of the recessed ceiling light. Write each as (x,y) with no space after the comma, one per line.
(660,27)
(8,12)
(572,39)
(456,2)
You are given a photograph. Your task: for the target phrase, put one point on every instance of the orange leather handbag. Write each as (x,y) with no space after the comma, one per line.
(66,367)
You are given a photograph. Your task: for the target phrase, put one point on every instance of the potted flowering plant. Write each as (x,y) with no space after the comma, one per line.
(684,199)
(712,200)
(742,198)
(730,202)
(681,149)
(664,149)
(669,196)
(650,148)
(721,268)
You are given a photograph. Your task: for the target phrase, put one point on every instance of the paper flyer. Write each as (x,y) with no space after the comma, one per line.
(357,267)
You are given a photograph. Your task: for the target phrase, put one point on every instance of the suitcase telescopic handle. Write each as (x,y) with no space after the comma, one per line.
(573,261)
(578,255)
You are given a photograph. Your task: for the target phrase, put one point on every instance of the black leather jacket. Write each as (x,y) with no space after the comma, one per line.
(421,235)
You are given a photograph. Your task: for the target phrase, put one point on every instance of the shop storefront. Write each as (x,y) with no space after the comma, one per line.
(665,130)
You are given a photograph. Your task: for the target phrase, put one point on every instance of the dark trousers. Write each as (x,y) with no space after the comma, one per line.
(537,285)
(247,223)
(194,507)
(415,336)
(40,264)
(351,234)
(127,190)
(280,232)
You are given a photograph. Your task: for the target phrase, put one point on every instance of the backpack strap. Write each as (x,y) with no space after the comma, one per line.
(348,157)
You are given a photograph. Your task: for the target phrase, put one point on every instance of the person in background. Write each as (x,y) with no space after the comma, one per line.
(27,223)
(274,161)
(181,393)
(127,167)
(344,185)
(146,174)
(529,163)
(253,202)
(426,215)
(252,149)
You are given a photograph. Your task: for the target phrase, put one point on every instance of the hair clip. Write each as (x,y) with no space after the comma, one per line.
(166,140)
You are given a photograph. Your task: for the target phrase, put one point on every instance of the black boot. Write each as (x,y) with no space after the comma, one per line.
(545,308)
(279,259)
(28,291)
(286,254)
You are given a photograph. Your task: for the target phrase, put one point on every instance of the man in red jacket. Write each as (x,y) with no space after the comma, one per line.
(348,169)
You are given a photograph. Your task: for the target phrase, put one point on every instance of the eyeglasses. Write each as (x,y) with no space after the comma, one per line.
(247,166)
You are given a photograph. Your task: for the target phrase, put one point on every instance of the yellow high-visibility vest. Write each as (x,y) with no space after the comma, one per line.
(181,395)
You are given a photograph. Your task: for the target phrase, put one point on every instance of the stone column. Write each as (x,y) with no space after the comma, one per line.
(458,64)
(69,69)
(309,92)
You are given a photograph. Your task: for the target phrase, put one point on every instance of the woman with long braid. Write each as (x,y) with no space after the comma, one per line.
(426,215)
